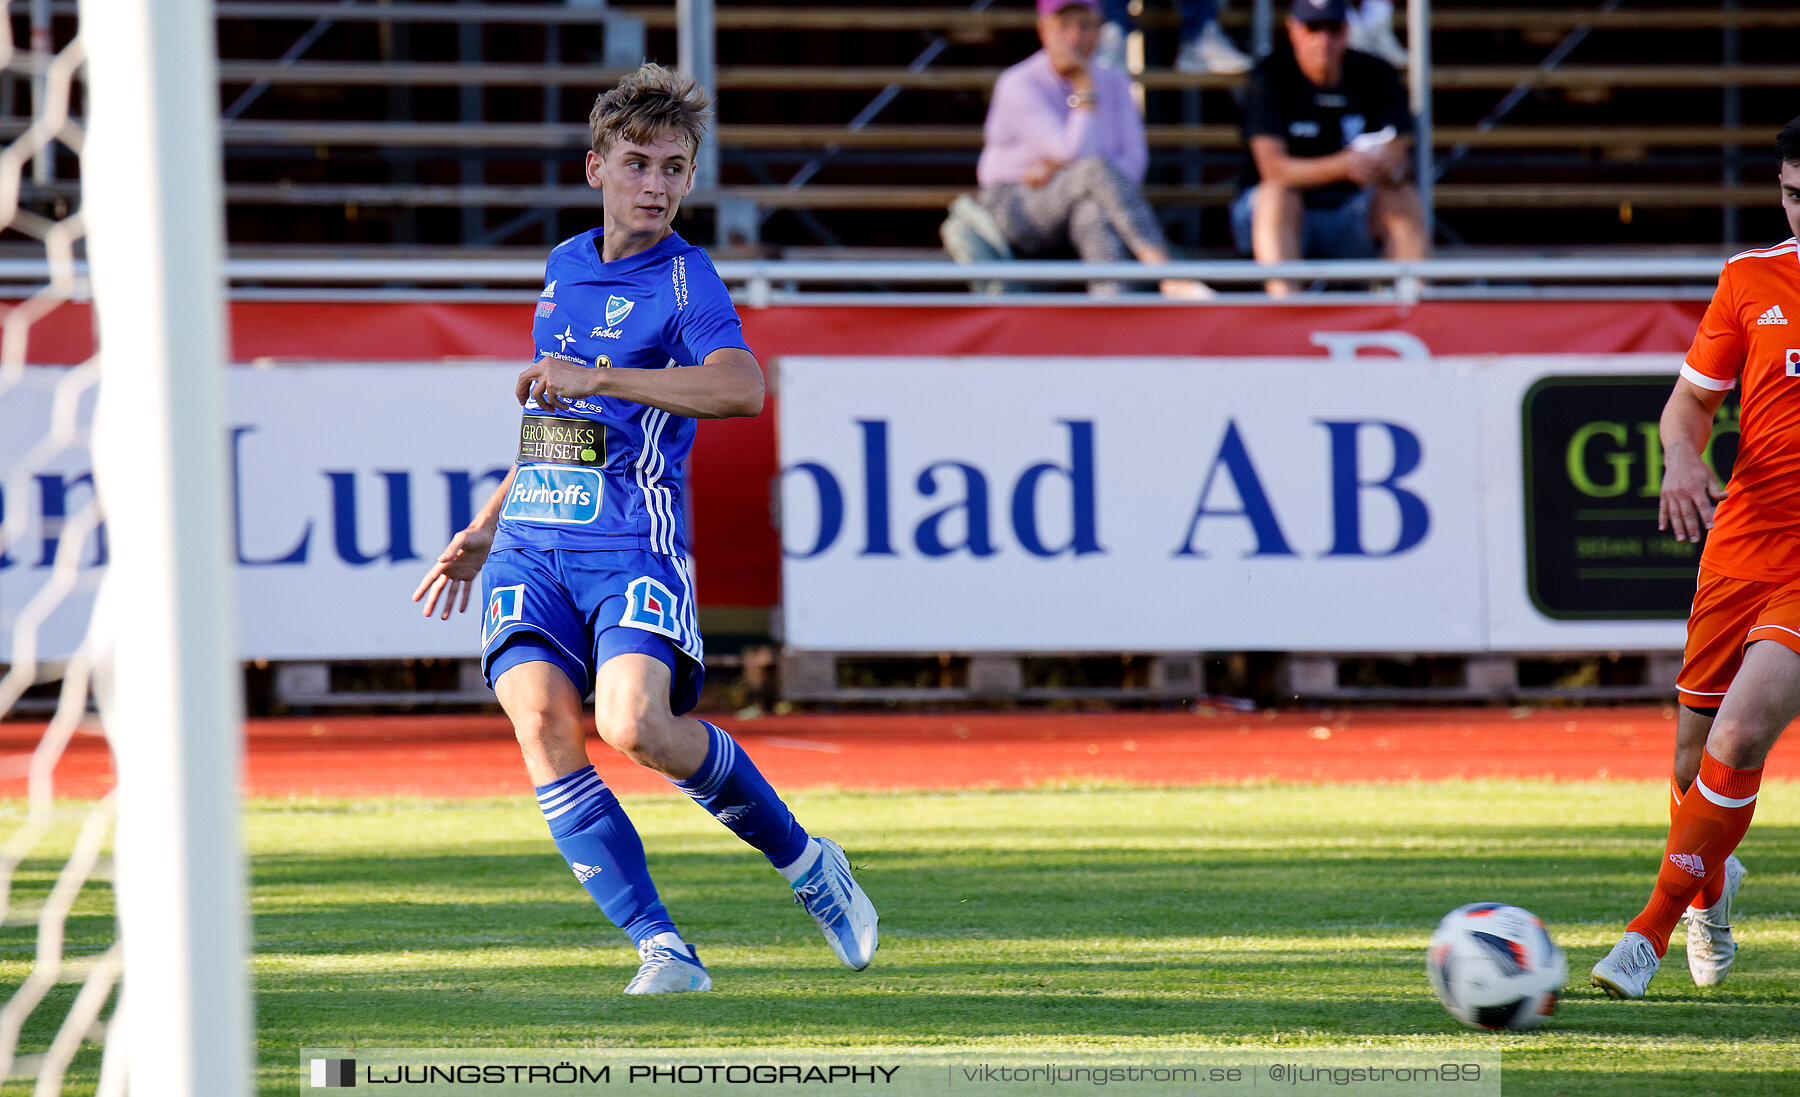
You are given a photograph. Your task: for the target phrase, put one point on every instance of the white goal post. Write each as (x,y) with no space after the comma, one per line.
(151,203)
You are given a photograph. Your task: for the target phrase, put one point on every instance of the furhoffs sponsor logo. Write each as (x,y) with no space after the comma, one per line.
(557,494)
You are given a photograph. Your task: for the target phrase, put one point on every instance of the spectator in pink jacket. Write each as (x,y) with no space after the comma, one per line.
(1064,155)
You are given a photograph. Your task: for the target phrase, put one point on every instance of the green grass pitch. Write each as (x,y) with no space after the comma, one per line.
(1104,918)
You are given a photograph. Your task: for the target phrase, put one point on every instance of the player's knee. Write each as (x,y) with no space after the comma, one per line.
(622,731)
(541,728)
(636,734)
(1741,741)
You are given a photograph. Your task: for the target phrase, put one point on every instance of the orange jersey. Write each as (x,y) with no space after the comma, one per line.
(1750,336)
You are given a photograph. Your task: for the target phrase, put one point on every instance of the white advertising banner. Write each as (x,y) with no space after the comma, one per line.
(347,480)
(1133,504)
(1574,561)
(1382,503)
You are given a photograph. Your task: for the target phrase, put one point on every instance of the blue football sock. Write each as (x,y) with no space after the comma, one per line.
(729,786)
(604,851)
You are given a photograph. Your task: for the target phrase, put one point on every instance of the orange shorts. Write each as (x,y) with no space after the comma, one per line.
(1728,614)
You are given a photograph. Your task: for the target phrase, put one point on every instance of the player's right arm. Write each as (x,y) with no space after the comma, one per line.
(1709,373)
(723,380)
(727,384)
(1690,494)
(452,577)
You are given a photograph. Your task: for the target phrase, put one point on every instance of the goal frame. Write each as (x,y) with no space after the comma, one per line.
(171,700)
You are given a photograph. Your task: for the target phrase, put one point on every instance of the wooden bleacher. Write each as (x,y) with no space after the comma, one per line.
(815,78)
(574,136)
(958,18)
(458,124)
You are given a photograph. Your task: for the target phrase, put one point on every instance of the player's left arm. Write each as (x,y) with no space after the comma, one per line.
(727,384)
(451,578)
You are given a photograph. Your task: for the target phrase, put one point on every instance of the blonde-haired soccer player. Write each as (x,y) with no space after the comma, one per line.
(1740,683)
(582,551)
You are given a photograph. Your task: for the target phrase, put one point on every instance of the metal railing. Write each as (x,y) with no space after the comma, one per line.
(758,283)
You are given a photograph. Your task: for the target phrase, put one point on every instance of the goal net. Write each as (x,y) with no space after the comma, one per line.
(121,899)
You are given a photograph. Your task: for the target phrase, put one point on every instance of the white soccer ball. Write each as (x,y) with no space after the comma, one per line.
(1495,967)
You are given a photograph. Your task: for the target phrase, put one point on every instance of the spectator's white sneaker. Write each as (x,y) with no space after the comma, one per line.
(1710,947)
(1626,970)
(1378,39)
(832,896)
(1110,53)
(1211,51)
(668,970)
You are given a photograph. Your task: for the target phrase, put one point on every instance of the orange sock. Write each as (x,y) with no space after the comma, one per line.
(1708,825)
(1715,875)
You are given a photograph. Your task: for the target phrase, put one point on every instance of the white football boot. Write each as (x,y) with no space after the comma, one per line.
(1626,970)
(831,895)
(1710,947)
(666,969)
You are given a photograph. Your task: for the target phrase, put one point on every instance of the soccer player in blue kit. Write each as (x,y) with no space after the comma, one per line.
(582,551)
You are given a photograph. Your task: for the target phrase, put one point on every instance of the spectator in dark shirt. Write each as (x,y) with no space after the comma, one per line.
(1330,138)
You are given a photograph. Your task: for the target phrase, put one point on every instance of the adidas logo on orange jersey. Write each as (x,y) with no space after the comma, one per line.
(1689,863)
(1773,316)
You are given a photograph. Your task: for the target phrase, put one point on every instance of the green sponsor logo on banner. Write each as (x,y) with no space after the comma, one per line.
(1593,468)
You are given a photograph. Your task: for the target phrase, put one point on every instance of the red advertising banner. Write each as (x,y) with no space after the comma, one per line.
(735,462)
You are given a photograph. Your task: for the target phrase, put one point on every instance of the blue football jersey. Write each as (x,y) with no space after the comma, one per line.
(606,473)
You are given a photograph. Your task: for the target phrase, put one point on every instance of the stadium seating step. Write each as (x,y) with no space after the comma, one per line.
(1268,678)
(961,677)
(398,683)
(1543,676)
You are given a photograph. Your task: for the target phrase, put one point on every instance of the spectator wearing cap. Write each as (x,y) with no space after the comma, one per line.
(1064,155)
(1330,137)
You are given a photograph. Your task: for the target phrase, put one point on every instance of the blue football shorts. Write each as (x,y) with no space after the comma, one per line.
(578,609)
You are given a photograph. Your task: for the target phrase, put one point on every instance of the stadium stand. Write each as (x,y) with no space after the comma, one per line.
(430,125)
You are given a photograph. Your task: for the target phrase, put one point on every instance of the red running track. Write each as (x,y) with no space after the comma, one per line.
(474,755)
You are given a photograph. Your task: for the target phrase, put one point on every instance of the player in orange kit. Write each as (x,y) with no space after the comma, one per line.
(1740,682)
